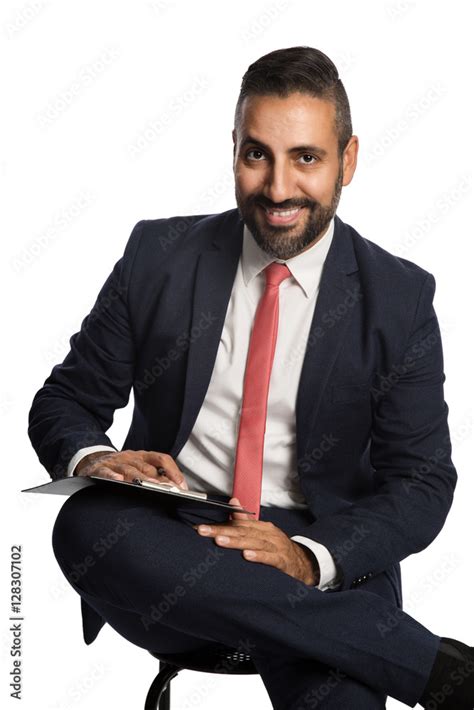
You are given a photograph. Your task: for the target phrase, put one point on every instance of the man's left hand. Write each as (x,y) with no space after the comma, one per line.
(264,542)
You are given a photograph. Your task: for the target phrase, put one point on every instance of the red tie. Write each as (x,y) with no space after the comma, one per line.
(249,453)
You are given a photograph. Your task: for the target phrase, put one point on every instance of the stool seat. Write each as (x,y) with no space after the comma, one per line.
(216,658)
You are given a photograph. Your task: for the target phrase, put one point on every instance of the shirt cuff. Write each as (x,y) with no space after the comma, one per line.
(79,455)
(328,578)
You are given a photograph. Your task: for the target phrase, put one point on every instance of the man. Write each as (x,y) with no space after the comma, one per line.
(280,361)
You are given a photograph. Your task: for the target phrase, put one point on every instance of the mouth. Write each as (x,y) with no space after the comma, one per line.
(288,216)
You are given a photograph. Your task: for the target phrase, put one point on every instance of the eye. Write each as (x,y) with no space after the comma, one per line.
(254,150)
(312,157)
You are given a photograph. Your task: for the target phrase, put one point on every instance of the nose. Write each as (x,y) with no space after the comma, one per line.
(279,185)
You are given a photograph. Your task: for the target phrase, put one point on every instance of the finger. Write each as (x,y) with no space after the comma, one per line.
(176,480)
(128,471)
(239,516)
(105,472)
(264,557)
(146,468)
(147,472)
(173,475)
(259,527)
(253,548)
(121,472)
(166,466)
(239,541)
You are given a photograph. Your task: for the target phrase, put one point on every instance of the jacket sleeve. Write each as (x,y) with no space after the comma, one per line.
(410,454)
(76,404)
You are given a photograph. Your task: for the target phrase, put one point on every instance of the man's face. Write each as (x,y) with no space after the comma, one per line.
(286,158)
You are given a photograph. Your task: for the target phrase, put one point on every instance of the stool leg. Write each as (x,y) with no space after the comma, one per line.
(158,697)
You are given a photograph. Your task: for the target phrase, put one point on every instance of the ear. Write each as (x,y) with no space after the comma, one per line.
(349,159)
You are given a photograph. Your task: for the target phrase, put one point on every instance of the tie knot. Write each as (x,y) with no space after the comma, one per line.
(275,273)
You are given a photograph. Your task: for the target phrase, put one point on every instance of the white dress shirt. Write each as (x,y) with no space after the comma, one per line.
(207,458)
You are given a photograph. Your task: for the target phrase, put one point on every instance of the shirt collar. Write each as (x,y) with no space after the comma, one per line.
(306,268)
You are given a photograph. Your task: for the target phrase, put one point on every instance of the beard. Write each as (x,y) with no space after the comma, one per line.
(278,241)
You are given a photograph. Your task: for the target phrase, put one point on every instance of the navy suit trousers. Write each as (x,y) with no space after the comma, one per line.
(162,586)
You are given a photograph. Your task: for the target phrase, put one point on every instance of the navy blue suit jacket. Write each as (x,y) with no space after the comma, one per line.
(373,445)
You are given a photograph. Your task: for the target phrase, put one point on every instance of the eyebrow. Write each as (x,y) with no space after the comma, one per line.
(297,149)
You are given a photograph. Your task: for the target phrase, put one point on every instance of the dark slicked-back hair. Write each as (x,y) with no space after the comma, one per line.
(298,69)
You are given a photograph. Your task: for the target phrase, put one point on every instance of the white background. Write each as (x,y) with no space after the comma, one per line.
(114,112)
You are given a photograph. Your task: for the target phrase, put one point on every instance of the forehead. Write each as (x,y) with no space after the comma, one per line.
(296,118)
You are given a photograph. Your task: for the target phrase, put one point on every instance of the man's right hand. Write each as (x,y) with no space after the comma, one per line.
(127,465)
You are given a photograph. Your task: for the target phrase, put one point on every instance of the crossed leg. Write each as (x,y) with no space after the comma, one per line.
(161,585)
(302,684)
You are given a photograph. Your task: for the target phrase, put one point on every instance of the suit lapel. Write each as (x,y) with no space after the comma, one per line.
(215,274)
(330,320)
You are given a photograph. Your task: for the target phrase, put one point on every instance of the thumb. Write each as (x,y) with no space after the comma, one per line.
(236,515)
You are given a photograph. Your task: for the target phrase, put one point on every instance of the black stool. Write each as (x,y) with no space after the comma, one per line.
(216,659)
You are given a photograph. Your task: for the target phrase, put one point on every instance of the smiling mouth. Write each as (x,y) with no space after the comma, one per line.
(287,216)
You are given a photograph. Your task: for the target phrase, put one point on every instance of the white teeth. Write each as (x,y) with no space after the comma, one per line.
(283,213)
